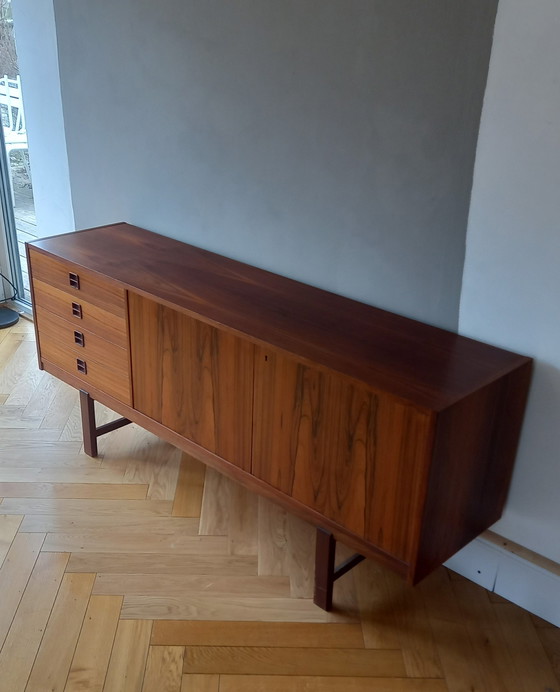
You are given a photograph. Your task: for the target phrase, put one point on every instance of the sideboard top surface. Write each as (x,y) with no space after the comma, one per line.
(428,366)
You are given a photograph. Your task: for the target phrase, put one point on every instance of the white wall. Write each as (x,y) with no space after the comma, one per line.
(38,62)
(328,140)
(511,284)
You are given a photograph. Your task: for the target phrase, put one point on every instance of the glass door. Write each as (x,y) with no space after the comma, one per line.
(16,193)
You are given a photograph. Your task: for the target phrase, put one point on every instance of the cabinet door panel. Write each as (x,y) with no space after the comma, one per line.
(193,378)
(341,449)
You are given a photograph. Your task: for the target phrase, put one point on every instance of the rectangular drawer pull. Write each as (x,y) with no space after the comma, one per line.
(81,365)
(74,280)
(79,338)
(77,310)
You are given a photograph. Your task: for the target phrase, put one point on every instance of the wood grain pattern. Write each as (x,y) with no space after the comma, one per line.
(194,379)
(190,487)
(84,491)
(58,330)
(14,573)
(93,288)
(164,669)
(480,433)
(200,683)
(244,660)
(54,657)
(284,683)
(252,634)
(91,658)
(26,630)
(357,457)
(9,525)
(128,658)
(106,324)
(115,382)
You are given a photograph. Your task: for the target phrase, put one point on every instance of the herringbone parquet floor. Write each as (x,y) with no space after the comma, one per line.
(141,570)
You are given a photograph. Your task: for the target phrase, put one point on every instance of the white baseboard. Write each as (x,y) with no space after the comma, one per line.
(512,576)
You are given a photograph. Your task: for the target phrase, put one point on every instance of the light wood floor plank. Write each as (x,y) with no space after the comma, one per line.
(16,355)
(74,491)
(27,384)
(144,459)
(127,542)
(9,525)
(175,585)
(281,683)
(455,650)
(533,669)
(14,573)
(54,657)
(190,487)
(377,607)
(200,683)
(90,661)
(243,521)
(129,656)
(11,417)
(42,396)
(137,508)
(148,563)
(62,405)
(240,660)
(492,655)
(164,669)
(301,557)
(416,638)
(69,474)
(214,515)
(550,639)
(30,620)
(272,538)
(32,440)
(72,430)
(268,634)
(128,525)
(43,456)
(207,607)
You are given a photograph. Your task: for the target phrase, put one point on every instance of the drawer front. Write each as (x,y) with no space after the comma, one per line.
(78,282)
(85,344)
(83,314)
(103,376)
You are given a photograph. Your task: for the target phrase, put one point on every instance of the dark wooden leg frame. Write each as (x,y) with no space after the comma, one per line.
(325,571)
(89,429)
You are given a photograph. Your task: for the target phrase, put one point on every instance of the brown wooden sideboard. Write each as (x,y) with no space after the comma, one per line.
(390,435)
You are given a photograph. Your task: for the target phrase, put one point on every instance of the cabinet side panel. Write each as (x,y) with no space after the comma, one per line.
(146,348)
(474,453)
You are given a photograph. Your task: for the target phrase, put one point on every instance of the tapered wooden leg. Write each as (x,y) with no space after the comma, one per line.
(324,569)
(87,407)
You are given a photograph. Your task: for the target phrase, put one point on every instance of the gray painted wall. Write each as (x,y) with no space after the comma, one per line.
(328,140)
(511,288)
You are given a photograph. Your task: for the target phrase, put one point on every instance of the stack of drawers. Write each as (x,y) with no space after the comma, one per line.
(82,320)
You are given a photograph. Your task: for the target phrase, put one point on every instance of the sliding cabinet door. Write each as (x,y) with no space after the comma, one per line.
(193,378)
(358,457)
